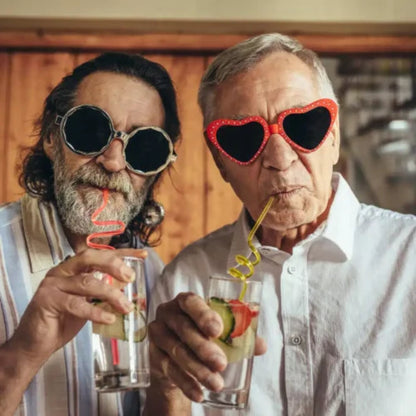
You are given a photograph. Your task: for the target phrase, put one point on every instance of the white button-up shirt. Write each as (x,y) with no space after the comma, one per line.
(338,314)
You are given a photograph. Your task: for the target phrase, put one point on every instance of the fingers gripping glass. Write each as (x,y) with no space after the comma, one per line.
(88,130)
(304,128)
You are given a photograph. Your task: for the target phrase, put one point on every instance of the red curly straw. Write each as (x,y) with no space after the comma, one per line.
(104,223)
(114,346)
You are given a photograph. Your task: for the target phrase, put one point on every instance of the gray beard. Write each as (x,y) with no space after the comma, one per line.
(76,208)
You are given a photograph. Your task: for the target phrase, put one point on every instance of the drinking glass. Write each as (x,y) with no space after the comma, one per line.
(238,305)
(121,349)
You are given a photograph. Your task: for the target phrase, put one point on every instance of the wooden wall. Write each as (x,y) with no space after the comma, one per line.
(196,199)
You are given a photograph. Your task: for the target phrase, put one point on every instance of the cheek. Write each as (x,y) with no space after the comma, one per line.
(321,163)
(245,182)
(322,177)
(137,181)
(73,161)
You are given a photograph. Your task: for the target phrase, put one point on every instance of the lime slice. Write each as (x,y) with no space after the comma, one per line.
(141,333)
(114,330)
(119,329)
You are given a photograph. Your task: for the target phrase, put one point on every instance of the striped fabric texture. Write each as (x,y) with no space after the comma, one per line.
(32,241)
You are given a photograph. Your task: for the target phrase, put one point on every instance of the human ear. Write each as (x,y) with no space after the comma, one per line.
(335,141)
(220,165)
(49,147)
(218,160)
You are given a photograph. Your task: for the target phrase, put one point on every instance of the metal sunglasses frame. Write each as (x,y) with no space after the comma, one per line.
(115,134)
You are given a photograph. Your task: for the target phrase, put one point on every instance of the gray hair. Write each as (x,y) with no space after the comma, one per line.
(245,55)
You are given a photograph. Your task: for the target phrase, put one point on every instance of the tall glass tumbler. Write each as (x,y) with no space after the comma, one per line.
(240,316)
(121,349)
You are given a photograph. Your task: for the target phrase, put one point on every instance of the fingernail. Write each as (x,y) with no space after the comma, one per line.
(126,304)
(214,328)
(109,317)
(128,273)
(215,382)
(194,394)
(218,361)
(98,275)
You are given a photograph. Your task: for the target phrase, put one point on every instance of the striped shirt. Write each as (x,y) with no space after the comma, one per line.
(32,241)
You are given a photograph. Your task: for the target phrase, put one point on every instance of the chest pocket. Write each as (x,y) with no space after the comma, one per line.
(380,387)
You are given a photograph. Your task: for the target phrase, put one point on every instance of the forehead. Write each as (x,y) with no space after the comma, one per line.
(278,82)
(123,97)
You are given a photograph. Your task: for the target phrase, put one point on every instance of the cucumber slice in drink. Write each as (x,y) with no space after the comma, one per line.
(223,309)
(240,347)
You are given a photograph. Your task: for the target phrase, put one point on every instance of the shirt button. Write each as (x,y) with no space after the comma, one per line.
(296,340)
(291,269)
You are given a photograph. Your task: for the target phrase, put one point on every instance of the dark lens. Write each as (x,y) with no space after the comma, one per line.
(87,130)
(241,142)
(308,129)
(147,150)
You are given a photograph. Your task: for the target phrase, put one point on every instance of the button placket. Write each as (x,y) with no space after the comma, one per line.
(296,340)
(295,308)
(291,269)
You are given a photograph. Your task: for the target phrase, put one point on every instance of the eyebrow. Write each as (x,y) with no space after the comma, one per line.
(240,116)
(135,126)
(243,116)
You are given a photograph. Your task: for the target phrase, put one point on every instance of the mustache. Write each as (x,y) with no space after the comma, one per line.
(95,175)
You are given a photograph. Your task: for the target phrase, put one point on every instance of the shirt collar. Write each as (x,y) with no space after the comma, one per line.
(45,238)
(341,223)
(333,239)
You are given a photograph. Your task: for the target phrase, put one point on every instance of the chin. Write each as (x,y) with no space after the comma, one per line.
(289,218)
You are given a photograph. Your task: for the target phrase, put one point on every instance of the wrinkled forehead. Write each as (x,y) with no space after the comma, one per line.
(276,83)
(130,102)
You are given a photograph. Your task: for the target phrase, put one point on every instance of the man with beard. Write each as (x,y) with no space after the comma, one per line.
(111,124)
(339,277)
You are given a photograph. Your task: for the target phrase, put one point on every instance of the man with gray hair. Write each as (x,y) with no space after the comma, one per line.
(337,310)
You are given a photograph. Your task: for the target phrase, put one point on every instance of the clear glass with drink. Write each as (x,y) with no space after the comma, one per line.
(121,349)
(238,303)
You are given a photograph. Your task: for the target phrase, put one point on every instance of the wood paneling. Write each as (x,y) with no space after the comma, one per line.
(115,41)
(83,57)
(198,43)
(4,120)
(33,75)
(222,205)
(182,187)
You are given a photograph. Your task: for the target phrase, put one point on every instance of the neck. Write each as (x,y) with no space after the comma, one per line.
(287,239)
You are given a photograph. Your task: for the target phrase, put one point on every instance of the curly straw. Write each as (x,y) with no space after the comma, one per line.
(244,261)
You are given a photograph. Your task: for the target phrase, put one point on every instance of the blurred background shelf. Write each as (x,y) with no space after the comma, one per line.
(377,98)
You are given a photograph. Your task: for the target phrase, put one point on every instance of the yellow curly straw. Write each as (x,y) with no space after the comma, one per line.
(244,261)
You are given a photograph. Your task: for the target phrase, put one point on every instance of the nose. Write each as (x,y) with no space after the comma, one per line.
(113,158)
(278,153)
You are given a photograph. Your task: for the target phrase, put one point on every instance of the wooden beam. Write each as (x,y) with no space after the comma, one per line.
(116,41)
(198,43)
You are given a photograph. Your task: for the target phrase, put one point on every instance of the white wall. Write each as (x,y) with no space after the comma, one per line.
(330,11)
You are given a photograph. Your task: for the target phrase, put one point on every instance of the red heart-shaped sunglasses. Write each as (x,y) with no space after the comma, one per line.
(304,128)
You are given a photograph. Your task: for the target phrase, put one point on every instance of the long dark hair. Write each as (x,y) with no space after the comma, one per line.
(37,175)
